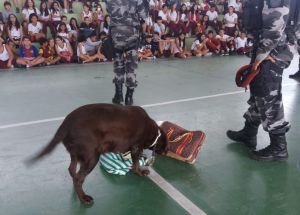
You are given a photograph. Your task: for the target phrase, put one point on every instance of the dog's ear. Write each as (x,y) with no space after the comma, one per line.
(162,143)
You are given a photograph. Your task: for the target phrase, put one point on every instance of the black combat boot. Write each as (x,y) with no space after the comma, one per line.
(128,96)
(118,98)
(247,135)
(276,151)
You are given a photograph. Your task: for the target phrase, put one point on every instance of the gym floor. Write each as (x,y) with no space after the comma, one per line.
(197,94)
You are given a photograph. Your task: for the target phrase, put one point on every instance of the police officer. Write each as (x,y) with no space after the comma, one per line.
(272,55)
(124,30)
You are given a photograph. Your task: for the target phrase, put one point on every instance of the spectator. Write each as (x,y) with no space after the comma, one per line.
(6,55)
(14,31)
(64,50)
(85,57)
(154,8)
(47,51)
(212,43)
(106,46)
(194,19)
(227,42)
(164,14)
(86,28)
(98,18)
(74,28)
(106,24)
(184,20)
(29,54)
(56,14)
(92,45)
(86,14)
(199,47)
(179,47)
(155,44)
(64,33)
(35,28)
(204,24)
(16,3)
(145,51)
(213,19)
(173,19)
(166,46)
(231,20)
(45,18)
(7,11)
(28,9)
(147,25)
(241,44)
(159,27)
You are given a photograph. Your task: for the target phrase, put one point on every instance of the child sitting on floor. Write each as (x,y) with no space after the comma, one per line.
(145,51)
(29,54)
(6,55)
(179,47)
(199,47)
(35,28)
(47,51)
(241,44)
(227,42)
(86,57)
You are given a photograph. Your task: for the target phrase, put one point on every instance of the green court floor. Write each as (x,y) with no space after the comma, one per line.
(222,181)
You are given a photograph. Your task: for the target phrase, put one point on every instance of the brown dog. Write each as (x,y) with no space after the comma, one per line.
(92,130)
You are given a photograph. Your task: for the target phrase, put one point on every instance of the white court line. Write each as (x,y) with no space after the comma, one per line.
(177,196)
(144,106)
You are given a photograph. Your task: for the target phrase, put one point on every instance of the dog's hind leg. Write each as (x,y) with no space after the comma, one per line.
(85,168)
(135,154)
(73,166)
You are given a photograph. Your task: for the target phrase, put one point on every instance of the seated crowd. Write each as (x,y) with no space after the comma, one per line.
(164,32)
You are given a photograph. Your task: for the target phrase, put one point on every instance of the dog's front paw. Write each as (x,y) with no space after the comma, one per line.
(145,172)
(87,200)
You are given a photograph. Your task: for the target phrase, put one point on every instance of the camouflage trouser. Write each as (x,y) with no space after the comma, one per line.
(269,112)
(265,102)
(125,42)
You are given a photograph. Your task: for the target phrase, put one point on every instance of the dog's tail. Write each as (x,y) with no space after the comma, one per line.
(58,137)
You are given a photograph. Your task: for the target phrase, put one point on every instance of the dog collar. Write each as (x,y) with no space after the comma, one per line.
(155,141)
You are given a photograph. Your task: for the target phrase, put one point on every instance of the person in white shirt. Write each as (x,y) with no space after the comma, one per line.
(231,20)
(213,19)
(45,18)
(14,31)
(147,25)
(174,19)
(199,47)
(28,9)
(6,55)
(241,44)
(159,27)
(227,42)
(163,13)
(35,28)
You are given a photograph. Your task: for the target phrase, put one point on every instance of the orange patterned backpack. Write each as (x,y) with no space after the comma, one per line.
(183,145)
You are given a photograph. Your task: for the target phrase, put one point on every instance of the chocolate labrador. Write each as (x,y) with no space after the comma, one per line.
(94,129)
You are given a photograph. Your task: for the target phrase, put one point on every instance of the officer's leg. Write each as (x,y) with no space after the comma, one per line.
(119,70)
(131,83)
(272,115)
(297,74)
(252,121)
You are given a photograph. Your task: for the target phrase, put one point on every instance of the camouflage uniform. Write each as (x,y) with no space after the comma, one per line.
(124,30)
(266,99)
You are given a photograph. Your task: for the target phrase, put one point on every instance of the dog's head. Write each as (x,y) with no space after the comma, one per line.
(162,143)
